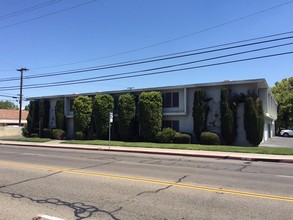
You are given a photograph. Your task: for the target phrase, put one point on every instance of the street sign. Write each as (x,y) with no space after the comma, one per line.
(110,117)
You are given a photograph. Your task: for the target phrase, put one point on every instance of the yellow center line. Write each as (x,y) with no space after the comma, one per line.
(153,181)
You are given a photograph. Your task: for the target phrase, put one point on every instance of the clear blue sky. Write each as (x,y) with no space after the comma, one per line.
(108,27)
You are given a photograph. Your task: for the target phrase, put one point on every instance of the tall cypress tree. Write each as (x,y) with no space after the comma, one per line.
(30,117)
(253,120)
(103,104)
(59,114)
(150,108)
(200,112)
(228,117)
(127,109)
(82,113)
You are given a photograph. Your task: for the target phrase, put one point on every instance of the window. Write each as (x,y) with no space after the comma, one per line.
(170,100)
(171,124)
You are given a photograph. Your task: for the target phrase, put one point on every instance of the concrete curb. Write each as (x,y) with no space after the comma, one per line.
(245,158)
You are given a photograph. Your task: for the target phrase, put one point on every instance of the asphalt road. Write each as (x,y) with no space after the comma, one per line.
(75,184)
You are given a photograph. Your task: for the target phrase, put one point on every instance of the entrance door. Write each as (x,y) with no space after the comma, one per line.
(269,131)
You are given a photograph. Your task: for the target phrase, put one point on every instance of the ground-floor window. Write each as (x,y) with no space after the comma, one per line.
(171,124)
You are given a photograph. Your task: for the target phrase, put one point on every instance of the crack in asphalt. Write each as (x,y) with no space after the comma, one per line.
(95,165)
(246,164)
(161,189)
(32,179)
(81,210)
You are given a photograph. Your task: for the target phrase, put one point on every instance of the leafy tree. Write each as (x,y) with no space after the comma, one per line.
(40,115)
(82,113)
(103,104)
(261,119)
(43,117)
(46,106)
(127,110)
(228,117)
(283,93)
(59,114)
(27,107)
(200,112)
(30,118)
(150,114)
(253,120)
(7,105)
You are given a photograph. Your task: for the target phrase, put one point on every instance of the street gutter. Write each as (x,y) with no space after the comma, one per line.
(169,152)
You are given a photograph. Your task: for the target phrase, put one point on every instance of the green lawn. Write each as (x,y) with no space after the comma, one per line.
(39,140)
(259,150)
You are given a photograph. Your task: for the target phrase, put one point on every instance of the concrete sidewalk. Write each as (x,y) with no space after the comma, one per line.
(175,152)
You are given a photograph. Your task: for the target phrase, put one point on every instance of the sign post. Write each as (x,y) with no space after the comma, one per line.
(110,121)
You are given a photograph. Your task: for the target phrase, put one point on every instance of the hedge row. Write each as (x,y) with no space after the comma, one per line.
(57,134)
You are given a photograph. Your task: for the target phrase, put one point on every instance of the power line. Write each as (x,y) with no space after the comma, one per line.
(181,64)
(160,43)
(159,72)
(166,55)
(137,62)
(6,93)
(190,34)
(8,96)
(162,67)
(47,15)
(10,100)
(29,9)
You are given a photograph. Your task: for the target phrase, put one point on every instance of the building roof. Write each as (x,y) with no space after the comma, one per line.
(260,82)
(12,114)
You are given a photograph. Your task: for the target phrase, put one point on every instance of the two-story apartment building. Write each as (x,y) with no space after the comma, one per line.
(178,106)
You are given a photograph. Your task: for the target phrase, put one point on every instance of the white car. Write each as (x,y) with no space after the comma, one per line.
(286,132)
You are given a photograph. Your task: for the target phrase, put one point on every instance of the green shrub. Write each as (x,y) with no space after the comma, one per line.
(182,138)
(24,132)
(58,134)
(30,117)
(34,135)
(166,135)
(82,113)
(103,104)
(228,117)
(150,114)
(253,120)
(59,114)
(209,138)
(79,135)
(127,110)
(137,138)
(47,133)
(43,116)
(200,112)
(46,114)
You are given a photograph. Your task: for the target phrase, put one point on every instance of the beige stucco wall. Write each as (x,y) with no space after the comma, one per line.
(10,131)
(214,116)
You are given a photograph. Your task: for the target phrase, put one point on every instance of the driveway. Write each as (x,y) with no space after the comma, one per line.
(278,141)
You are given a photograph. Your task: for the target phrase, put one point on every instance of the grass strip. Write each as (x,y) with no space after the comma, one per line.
(38,140)
(223,148)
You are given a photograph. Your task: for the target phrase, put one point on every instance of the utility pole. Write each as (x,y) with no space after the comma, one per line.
(20,93)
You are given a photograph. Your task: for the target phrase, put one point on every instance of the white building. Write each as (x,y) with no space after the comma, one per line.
(178,104)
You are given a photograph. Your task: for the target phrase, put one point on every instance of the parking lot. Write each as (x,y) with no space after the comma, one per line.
(278,141)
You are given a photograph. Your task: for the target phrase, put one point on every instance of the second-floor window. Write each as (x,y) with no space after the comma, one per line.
(170,99)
